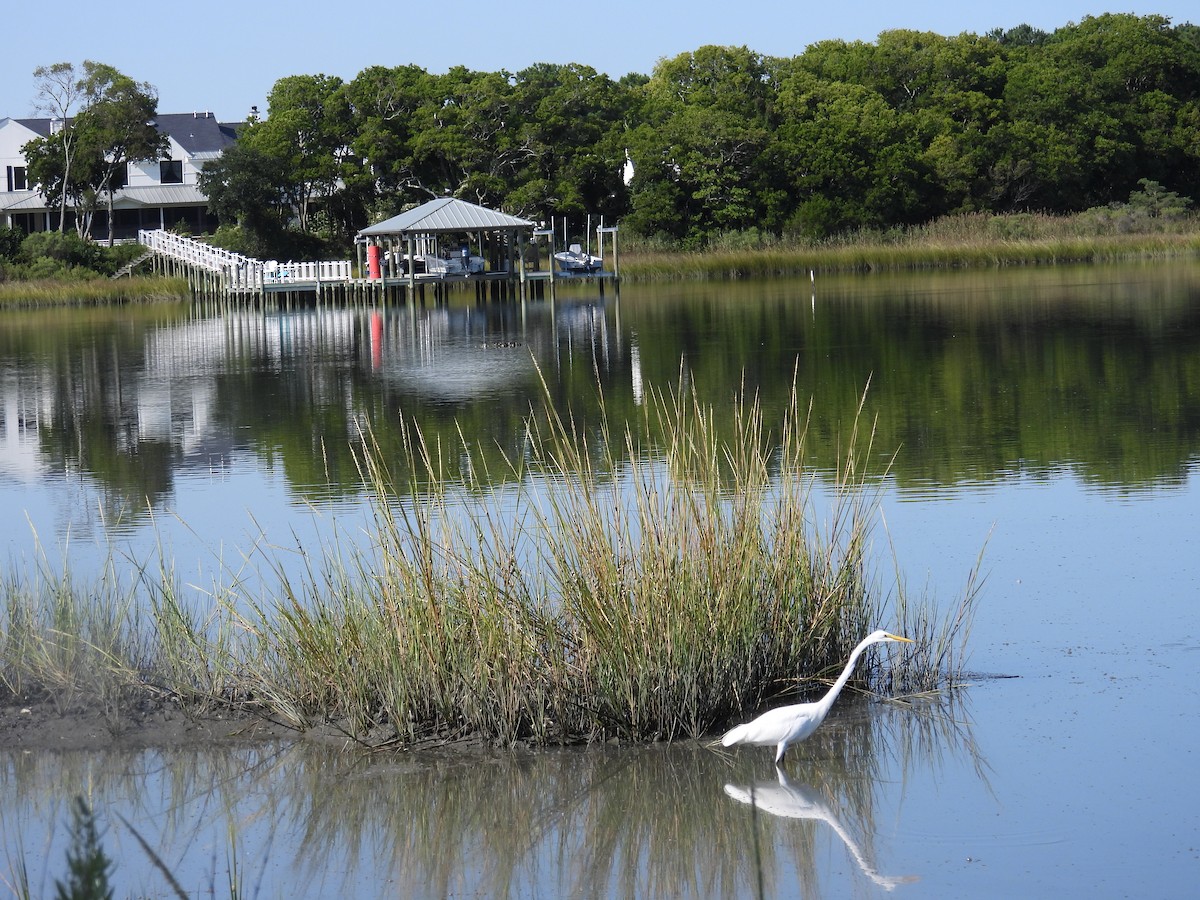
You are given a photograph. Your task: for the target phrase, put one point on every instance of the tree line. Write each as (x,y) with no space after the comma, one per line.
(847,135)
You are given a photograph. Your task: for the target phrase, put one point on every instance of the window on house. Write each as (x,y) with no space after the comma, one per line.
(16,178)
(170,171)
(120,177)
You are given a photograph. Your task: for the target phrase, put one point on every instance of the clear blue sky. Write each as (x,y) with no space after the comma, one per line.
(224,56)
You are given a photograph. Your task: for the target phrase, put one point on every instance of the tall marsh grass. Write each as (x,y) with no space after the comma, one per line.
(640,582)
(965,241)
(92,292)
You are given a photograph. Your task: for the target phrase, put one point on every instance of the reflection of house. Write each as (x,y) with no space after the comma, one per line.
(156,194)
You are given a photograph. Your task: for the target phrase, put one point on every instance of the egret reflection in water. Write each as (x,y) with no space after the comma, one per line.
(786,799)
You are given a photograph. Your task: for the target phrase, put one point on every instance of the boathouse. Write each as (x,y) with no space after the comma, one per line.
(444,239)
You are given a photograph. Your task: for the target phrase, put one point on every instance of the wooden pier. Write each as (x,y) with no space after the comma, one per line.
(216,273)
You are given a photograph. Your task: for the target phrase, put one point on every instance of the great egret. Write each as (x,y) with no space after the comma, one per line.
(788,725)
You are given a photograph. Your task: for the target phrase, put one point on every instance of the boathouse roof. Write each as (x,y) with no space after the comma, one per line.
(443,215)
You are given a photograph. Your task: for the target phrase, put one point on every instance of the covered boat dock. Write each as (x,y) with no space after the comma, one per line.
(448,240)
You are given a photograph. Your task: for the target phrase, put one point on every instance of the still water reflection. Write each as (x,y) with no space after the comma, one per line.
(1057,411)
(668,820)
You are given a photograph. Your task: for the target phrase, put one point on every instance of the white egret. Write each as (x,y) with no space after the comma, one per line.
(789,725)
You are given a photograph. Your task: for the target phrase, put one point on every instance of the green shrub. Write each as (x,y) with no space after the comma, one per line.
(67,248)
(10,242)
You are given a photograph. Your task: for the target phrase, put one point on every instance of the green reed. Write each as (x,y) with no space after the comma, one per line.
(645,580)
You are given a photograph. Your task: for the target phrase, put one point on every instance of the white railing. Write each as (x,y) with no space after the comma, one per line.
(241,272)
(326,270)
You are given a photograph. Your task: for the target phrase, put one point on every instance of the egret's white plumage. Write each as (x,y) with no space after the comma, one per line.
(788,725)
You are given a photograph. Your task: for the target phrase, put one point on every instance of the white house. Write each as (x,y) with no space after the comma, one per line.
(156,194)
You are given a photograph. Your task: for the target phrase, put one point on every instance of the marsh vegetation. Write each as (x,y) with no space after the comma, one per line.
(649,589)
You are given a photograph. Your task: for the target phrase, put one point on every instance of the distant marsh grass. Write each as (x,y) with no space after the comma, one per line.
(650,593)
(91,292)
(975,240)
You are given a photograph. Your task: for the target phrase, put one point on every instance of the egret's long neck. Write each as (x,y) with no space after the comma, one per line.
(827,701)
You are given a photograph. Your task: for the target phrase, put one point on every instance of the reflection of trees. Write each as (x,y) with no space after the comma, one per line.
(972,376)
(310,383)
(79,371)
(633,821)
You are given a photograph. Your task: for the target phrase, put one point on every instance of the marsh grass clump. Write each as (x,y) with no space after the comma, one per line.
(642,583)
(66,641)
(639,582)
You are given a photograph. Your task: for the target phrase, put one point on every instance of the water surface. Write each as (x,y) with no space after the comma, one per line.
(1053,414)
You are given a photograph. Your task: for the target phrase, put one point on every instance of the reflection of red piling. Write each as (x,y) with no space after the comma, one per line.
(373,261)
(376,340)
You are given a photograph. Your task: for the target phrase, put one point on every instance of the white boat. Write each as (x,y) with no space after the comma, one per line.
(575,261)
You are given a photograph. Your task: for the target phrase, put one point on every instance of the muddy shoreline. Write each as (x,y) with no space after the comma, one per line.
(38,720)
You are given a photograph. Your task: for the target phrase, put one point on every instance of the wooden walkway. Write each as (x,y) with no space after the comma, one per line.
(214,270)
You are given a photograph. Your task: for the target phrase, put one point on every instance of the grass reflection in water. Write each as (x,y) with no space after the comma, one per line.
(301,819)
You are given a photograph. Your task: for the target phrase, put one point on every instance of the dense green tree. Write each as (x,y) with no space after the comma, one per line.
(308,129)
(52,165)
(1023,35)
(383,104)
(116,127)
(461,144)
(950,89)
(79,163)
(701,146)
(1108,90)
(568,150)
(251,188)
(845,135)
(853,159)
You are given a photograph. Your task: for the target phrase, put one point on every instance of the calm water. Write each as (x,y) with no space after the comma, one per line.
(1054,415)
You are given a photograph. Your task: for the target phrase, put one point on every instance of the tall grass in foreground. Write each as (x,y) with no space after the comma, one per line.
(619,584)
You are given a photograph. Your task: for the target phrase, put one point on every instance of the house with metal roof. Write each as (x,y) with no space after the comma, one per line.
(156,193)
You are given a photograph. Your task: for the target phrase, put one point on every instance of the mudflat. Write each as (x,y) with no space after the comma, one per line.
(39,720)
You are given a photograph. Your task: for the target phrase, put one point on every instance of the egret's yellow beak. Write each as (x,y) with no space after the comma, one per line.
(896,637)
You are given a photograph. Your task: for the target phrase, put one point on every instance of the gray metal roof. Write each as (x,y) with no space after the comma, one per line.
(126,198)
(199,133)
(38,126)
(160,195)
(446,214)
